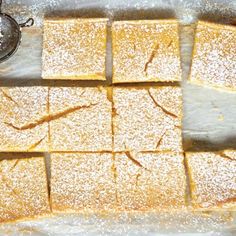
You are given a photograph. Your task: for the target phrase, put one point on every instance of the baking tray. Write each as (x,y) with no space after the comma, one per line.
(209,114)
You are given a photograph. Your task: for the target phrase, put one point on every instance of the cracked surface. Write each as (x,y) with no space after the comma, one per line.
(88,127)
(213,179)
(74,49)
(131,157)
(79,119)
(147,119)
(50,117)
(158,182)
(145,50)
(23,188)
(153,54)
(82,181)
(214,56)
(20,107)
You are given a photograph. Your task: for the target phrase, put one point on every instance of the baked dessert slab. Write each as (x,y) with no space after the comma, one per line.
(212,180)
(23,113)
(147,118)
(80,119)
(74,49)
(150,181)
(82,182)
(145,51)
(23,189)
(214,56)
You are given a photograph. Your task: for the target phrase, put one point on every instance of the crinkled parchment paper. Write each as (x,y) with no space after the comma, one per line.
(209,115)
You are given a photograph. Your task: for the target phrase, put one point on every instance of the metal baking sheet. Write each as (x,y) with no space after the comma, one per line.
(209,114)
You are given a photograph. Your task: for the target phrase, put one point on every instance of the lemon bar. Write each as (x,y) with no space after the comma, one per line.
(80,119)
(147,118)
(82,182)
(23,189)
(150,181)
(145,51)
(22,119)
(74,49)
(214,56)
(212,180)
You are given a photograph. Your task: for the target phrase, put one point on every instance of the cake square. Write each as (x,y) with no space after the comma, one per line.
(212,180)
(214,56)
(147,118)
(150,181)
(23,113)
(145,51)
(80,119)
(82,182)
(74,49)
(23,189)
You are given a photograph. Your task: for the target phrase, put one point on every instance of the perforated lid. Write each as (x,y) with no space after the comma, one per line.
(10,35)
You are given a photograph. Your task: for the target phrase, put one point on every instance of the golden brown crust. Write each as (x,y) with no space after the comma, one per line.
(74,49)
(82,182)
(150,181)
(217,25)
(212,180)
(214,54)
(22,112)
(147,118)
(145,50)
(80,119)
(23,187)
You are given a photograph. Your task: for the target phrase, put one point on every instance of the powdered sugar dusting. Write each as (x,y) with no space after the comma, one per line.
(82,182)
(213,179)
(23,188)
(145,51)
(74,49)
(20,106)
(88,127)
(150,181)
(147,119)
(214,56)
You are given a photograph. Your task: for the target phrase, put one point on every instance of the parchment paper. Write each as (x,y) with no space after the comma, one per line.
(209,114)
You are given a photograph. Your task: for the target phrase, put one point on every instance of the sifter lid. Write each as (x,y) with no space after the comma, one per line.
(10,34)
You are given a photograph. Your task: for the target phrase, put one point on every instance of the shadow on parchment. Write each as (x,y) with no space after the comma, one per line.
(205,145)
(77,83)
(216,16)
(18,155)
(114,14)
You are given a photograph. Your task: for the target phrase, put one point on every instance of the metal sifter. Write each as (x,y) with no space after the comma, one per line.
(10,34)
